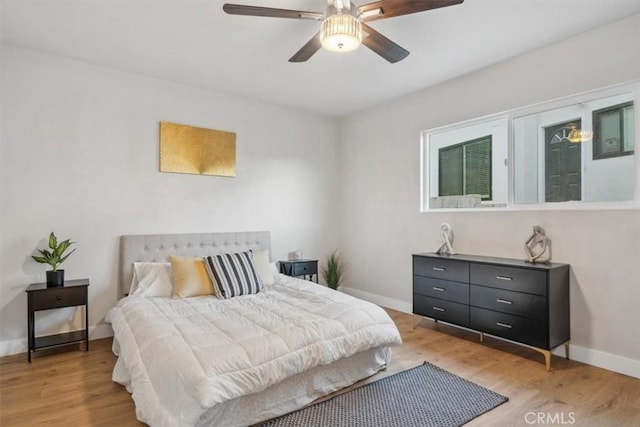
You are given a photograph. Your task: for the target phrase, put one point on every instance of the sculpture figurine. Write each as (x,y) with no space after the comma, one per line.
(447,240)
(538,246)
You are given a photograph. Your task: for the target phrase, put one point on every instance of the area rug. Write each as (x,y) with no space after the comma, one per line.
(425,396)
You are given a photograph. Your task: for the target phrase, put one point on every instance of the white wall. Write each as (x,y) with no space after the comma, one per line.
(79,155)
(382,225)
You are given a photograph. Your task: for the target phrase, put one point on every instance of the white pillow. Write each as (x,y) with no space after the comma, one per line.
(274,269)
(263,267)
(151,279)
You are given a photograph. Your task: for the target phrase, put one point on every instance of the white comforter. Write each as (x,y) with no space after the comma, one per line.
(186,355)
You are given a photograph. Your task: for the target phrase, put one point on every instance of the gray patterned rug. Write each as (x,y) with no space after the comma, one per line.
(425,396)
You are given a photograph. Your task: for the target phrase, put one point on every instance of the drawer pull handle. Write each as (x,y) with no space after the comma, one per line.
(504,278)
(435,288)
(504,301)
(439,269)
(438,309)
(58,297)
(504,325)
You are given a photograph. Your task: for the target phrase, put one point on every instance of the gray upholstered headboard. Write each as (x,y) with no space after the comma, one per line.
(158,247)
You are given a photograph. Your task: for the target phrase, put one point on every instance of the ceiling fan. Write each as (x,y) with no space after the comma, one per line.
(344,27)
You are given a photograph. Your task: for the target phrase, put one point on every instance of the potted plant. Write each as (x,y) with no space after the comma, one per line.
(333,272)
(54,256)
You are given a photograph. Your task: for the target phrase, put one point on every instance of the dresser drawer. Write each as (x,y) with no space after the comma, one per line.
(305,268)
(518,303)
(63,297)
(442,289)
(528,331)
(510,278)
(441,268)
(446,311)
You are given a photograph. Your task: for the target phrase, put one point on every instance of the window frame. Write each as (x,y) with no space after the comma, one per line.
(597,124)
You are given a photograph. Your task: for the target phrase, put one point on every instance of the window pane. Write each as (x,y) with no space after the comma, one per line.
(610,132)
(450,168)
(465,168)
(477,168)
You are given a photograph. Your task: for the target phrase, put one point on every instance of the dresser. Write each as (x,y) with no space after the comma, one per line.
(507,298)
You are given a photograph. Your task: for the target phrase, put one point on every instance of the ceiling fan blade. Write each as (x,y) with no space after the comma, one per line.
(239,9)
(389,8)
(382,45)
(307,50)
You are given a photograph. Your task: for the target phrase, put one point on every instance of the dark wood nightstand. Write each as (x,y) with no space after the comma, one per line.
(300,267)
(41,297)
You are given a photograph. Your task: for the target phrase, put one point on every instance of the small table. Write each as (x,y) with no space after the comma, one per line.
(40,297)
(300,267)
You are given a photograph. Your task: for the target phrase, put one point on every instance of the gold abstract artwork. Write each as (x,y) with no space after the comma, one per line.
(194,150)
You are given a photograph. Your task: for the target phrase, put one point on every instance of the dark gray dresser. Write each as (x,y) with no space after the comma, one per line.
(508,298)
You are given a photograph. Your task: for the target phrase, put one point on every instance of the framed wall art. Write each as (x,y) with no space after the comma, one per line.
(195,150)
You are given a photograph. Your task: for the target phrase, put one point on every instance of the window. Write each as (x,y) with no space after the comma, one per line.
(561,154)
(575,152)
(465,168)
(613,131)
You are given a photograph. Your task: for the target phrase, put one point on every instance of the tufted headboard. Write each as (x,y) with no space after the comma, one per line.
(158,247)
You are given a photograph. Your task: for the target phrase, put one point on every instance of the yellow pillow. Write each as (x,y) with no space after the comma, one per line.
(190,278)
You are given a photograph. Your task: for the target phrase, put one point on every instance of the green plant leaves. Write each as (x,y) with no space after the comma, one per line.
(62,247)
(40,259)
(53,242)
(334,270)
(56,256)
(63,259)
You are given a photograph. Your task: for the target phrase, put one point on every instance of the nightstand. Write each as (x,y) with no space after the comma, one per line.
(300,267)
(41,297)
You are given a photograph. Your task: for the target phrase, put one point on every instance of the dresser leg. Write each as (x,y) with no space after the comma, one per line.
(481,336)
(414,321)
(547,356)
(566,350)
(547,360)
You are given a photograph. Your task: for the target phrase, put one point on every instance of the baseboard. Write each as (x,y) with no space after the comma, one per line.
(17,346)
(611,362)
(391,303)
(601,359)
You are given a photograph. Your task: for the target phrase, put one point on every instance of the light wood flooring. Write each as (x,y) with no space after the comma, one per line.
(74,388)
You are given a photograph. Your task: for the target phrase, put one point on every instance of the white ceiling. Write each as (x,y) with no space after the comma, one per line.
(194,42)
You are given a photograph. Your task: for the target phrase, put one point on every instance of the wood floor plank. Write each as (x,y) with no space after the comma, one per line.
(74,388)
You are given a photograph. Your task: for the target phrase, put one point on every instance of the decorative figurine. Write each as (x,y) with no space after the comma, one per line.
(447,240)
(538,246)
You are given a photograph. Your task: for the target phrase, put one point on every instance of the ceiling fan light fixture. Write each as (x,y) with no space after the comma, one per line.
(341,33)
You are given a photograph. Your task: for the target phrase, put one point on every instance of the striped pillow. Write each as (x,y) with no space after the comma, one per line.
(233,274)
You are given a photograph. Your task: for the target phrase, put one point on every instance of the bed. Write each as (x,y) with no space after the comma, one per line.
(238,361)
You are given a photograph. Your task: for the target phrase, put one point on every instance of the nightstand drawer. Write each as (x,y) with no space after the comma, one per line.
(518,303)
(510,278)
(63,297)
(442,289)
(528,331)
(305,268)
(446,311)
(441,268)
